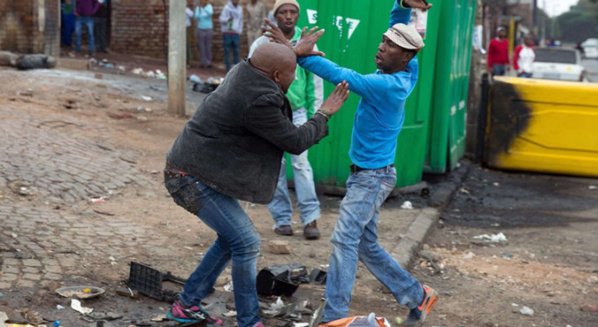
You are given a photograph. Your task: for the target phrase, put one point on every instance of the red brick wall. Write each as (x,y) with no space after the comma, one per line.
(138,28)
(16,25)
(23,31)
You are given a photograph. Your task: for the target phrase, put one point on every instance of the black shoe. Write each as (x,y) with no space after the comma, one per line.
(285,230)
(310,231)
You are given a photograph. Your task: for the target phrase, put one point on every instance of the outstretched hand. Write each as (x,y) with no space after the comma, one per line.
(417,4)
(305,46)
(337,98)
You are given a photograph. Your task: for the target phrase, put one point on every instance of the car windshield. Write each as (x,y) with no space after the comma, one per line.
(560,56)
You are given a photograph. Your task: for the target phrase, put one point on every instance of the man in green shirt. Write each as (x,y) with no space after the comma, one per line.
(305,95)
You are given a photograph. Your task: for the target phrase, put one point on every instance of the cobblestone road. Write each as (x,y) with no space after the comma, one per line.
(39,160)
(43,164)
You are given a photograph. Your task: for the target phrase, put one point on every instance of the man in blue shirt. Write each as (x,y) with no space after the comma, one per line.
(377,124)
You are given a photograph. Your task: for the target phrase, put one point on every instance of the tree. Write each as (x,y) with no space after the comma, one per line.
(580,23)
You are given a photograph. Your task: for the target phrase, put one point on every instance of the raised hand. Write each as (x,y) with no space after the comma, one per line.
(305,46)
(337,98)
(417,4)
(275,34)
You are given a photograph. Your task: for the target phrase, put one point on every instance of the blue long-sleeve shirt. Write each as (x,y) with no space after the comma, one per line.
(204,16)
(381,110)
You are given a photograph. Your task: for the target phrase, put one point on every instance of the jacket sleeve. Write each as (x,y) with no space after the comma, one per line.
(367,86)
(264,118)
(224,15)
(516,57)
(399,14)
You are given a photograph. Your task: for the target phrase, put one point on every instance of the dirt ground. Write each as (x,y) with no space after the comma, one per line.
(549,264)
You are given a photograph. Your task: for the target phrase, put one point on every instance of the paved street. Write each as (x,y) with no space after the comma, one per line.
(591,66)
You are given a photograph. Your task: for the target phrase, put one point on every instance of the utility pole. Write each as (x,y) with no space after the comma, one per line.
(177,57)
(535,18)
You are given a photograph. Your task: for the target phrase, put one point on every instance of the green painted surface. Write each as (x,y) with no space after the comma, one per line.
(354,30)
(448,114)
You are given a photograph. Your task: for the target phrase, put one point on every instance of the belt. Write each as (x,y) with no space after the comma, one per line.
(355,168)
(172,172)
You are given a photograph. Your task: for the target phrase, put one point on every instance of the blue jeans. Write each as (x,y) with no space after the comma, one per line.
(355,237)
(88,21)
(498,70)
(307,201)
(237,240)
(231,42)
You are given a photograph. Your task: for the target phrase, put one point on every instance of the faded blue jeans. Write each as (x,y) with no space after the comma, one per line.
(88,21)
(237,240)
(231,43)
(355,237)
(307,201)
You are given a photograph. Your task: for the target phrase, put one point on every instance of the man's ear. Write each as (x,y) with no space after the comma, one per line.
(276,76)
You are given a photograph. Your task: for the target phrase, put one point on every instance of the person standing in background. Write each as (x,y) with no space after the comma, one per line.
(523,58)
(189,28)
(68,22)
(205,32)
(84,11)
(100,28)
(231,19)
(305,96)
(498,53)
(256,13)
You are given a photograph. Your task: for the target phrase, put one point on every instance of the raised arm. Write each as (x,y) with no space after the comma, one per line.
(401,12)
(363,85)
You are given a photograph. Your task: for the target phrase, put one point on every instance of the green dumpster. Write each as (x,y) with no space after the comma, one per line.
(448,113)
(354,30)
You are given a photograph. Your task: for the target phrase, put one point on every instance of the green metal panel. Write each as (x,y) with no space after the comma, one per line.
(448,113)
(354,30)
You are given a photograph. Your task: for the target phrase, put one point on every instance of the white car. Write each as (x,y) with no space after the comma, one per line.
(590,48)
(558,63)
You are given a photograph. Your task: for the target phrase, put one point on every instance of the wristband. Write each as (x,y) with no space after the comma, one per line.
(324,113)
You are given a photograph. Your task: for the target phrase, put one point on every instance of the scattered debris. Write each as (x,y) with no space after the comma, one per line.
(36,61)
(195,79)
(407,205)
(76,305)
(231,313)
(526,311)
(159,318)
(146,98)
(281,279)
(468,255)
(148,281)
(279,247)
(318,277)
(60,307)
(592,187)
(98,200)
(100,315)
(494,238)
(33,317)
(228,287)
(398,320)
(125,291)
(588,308)
(81,292)
(119,116)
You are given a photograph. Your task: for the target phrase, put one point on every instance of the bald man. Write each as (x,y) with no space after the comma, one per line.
(231,150)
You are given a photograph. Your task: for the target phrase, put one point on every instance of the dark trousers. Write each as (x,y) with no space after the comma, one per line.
(100,30)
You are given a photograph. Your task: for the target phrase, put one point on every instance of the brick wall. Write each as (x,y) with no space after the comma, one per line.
(30,26)
(16,25)
(138,28)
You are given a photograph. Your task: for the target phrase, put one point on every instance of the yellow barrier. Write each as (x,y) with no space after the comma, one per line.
(545,126)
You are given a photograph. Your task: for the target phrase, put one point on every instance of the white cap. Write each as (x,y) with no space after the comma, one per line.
(405,36)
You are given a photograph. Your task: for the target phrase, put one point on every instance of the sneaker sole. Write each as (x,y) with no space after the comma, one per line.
(171,317)
(432,298)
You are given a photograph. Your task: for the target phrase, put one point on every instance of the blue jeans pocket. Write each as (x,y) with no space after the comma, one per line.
(184,192)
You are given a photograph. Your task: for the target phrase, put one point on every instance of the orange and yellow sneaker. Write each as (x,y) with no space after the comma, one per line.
(420,313)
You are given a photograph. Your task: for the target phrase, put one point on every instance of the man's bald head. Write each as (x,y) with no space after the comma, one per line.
(278,62)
